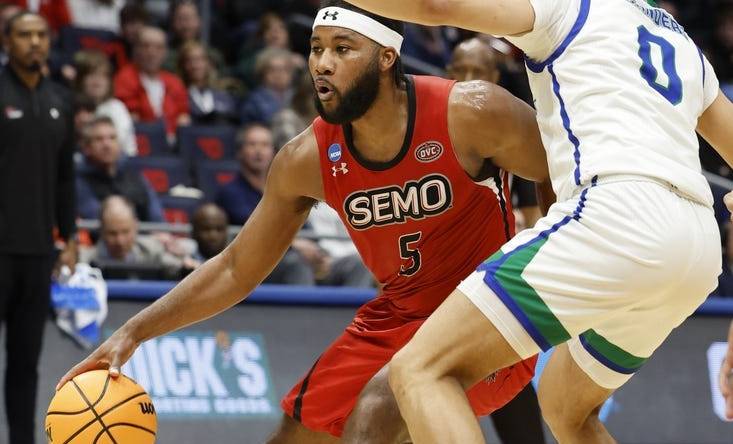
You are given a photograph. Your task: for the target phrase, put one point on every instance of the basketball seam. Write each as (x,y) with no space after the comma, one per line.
(102,415)
(104,391)
(99,418)
(145,429)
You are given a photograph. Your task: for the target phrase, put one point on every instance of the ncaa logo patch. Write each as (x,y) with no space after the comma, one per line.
(429,151)
(334,152)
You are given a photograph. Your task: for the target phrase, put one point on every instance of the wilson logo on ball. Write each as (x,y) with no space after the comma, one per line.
(147,408)
(429,151)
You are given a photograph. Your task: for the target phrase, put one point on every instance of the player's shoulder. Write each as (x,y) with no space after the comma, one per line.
(297,164)
(301,148)
(476,100)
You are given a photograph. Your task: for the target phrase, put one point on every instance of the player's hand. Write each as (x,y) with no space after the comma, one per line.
(726,376)
(728,200)
(112,354)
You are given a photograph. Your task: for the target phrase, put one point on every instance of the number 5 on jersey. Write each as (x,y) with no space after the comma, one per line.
(410,254)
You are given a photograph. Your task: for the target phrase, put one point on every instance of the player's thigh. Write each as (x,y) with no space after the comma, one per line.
(566,393)
(457,340)
(291,431)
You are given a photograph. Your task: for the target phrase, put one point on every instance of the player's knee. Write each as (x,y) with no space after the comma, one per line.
(409,366)
(564,418)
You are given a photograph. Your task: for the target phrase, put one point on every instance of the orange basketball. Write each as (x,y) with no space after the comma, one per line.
(94,408)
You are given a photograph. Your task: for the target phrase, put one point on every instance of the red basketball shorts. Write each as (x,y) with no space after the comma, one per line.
(324,398)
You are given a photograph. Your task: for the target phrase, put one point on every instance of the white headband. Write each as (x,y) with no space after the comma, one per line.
(366,26)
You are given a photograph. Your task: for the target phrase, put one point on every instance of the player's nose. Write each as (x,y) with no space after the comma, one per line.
(325,64)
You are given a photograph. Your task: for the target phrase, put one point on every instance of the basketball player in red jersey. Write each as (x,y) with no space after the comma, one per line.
(415,168)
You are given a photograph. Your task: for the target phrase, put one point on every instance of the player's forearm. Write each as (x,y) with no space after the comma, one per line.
(209,290)
(498,17)
(425,12)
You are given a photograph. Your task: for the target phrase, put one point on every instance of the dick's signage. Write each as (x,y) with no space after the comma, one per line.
(205,375)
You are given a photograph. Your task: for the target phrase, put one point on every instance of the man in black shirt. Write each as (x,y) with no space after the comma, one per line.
(103,175)
(36,194)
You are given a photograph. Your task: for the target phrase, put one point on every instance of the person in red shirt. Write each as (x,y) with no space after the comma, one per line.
(56,12)
(149,92)
(416,168)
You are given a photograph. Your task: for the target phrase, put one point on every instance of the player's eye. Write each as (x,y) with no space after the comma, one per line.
(342,49)
(316,49)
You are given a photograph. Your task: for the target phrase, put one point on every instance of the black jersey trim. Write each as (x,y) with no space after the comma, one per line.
(382,166)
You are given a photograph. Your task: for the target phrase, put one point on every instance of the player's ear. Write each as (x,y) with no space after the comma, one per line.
(387,58)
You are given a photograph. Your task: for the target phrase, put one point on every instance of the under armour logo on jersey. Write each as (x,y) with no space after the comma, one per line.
(341,169)
(332,15)
(491,378)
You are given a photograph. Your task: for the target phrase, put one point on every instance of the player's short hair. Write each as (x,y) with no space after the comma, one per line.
(394,25)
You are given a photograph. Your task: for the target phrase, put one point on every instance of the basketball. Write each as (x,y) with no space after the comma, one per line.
(94,408)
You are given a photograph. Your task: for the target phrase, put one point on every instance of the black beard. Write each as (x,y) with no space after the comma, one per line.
(356,101)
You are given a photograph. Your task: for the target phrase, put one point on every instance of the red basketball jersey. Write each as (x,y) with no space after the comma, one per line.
(420,223)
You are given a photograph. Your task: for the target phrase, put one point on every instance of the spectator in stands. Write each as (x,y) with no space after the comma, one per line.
(133,18)
(209,230)
(119,242)
(149,92)
(338,264)
(426,43)
(84,109)
(96,14)
(475,59)
(275,71)
(240,197)
(7,10)
(103,175)
(208,104)
(94,80)
(291,121)
(184,25)
(255,153)
(272,32)
(55,12)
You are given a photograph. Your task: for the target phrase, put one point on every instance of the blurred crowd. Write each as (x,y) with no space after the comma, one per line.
(180,107)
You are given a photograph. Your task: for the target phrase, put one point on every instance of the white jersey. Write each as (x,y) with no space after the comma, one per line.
(619,87)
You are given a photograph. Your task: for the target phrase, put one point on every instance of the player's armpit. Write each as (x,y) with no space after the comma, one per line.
(714,126)
(487,122)
(498,17)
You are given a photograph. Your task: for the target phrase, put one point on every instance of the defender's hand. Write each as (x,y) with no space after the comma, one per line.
(112,354)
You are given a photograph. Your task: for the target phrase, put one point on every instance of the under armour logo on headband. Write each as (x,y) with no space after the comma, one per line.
(332,15)
(360,23)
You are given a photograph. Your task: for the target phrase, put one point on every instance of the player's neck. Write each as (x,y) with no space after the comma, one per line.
(378,135)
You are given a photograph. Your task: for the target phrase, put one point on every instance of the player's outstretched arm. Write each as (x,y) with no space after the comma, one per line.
(487,122)
(726,376)
(497,17)
(226,279)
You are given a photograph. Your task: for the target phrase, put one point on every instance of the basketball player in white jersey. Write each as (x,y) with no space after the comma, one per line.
(630,249)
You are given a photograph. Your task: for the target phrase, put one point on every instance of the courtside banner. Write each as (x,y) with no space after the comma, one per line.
(205,375)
